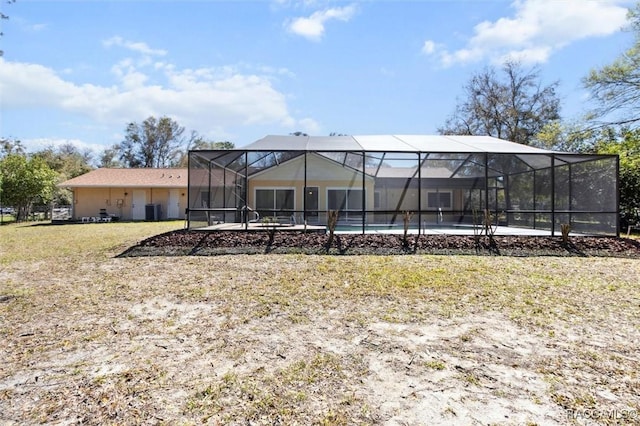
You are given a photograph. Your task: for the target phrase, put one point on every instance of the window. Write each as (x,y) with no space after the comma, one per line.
(345,199)
(439,200)
(273,200)
(348,202)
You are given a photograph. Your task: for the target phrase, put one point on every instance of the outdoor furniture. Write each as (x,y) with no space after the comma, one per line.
(106,217)
(98,219)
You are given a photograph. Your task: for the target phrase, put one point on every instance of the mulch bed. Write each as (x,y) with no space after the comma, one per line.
(207,243)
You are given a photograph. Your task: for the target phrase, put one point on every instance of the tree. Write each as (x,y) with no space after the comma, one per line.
(615,88)
(515,108)
(197,142)
(109,158)
(68,162)
(154,143)
(200,143)
(565,137)
(25,181)
(615,92)
(626,144)
(10,146)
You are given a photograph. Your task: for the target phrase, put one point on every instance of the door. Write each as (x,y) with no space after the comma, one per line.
(311,203)
(173,207)
(139,201)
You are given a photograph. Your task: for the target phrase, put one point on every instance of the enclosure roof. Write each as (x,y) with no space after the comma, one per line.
(130,178)
(392,143)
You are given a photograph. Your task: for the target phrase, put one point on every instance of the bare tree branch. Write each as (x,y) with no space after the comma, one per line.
(515,108)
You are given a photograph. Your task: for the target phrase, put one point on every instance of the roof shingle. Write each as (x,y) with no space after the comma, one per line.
(130,178)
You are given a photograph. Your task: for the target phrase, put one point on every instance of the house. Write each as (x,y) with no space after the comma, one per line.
(130,194)
(373,180)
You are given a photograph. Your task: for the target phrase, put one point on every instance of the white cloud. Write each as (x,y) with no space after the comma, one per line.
(428,47)
(527,56)
(277,71)
(28,26)
(37,27)
(308,126)
(199,99)
(313,27)
(38,144)
(134,46)
(461,56)
(537,30)
(387,72)
(31,85)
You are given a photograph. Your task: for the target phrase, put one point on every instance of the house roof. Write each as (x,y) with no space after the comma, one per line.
(130,178)
(392,143)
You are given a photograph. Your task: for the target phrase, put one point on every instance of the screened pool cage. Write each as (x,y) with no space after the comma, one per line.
(389,182)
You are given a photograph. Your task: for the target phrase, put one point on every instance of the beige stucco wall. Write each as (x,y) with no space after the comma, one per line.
(321,173)
(322,185)
(119,201)
(325,175)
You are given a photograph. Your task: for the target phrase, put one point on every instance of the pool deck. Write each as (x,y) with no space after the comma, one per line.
(263,227)
(465,230)
(436,230)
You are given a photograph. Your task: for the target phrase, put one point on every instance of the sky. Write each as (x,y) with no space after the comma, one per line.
(79,71)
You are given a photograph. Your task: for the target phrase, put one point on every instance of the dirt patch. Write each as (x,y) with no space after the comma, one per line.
(185,242)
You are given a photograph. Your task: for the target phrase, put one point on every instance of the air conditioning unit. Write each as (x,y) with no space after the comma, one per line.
(152,212)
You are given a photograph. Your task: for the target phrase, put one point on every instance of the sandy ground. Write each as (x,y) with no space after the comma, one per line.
(282,339)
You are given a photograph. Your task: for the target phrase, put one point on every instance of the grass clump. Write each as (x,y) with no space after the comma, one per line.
(275,397)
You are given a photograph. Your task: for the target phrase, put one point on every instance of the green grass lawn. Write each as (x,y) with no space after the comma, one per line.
(297,339)
(7,218)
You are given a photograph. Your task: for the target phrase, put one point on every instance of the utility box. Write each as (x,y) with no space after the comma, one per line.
(152,212)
